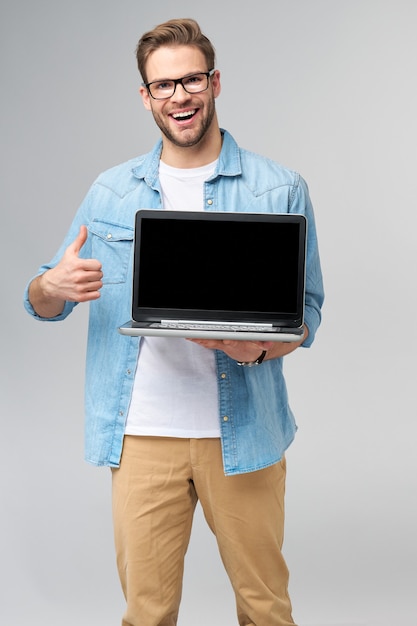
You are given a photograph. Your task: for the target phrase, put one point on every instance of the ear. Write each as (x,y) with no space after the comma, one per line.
(146,99)
(215,81)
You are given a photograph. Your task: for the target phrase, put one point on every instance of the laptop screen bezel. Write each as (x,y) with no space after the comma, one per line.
(293,319)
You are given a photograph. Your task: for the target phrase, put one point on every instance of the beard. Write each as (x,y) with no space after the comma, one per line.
(187,137)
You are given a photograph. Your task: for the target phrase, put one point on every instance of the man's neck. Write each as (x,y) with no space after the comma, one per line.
(205,152)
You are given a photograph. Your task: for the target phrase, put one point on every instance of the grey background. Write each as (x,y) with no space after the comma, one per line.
(341,109)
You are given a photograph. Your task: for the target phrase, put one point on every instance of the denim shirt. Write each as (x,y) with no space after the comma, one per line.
(256,422)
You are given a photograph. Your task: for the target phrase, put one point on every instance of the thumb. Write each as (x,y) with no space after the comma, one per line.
(79,241)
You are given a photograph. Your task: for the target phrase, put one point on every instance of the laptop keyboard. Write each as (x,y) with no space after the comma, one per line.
(230,327)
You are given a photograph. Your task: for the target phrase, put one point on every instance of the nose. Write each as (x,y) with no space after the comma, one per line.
(180,93)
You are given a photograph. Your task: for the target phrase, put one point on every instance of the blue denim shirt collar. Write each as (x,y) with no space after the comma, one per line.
(229,163)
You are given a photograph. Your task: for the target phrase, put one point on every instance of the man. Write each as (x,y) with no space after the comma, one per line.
(177,420)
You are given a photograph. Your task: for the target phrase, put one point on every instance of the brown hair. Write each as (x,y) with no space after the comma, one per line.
(178,32)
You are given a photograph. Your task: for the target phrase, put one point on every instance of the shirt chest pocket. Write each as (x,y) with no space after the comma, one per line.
(111,244)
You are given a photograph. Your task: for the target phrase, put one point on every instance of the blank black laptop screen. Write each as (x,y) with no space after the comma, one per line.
(252,264)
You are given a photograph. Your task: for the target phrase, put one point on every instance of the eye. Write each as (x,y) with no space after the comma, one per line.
(193,80)
(163,85)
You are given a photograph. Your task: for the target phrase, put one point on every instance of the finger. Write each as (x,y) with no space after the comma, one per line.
(79,241)
(93,266)
(88,296)
(207,343)
(233,343)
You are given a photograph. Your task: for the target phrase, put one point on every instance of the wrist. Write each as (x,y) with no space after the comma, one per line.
(257,361)
(42,298)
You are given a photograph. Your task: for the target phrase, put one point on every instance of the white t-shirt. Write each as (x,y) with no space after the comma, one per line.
(175,388)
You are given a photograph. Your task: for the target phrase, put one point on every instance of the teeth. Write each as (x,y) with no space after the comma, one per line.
(183,114)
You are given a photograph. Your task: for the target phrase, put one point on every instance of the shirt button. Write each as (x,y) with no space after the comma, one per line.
(225,418)
(109,236)
(128,372)
(209,202)
(223,375)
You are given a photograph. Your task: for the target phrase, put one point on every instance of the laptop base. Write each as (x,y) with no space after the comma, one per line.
(146,329)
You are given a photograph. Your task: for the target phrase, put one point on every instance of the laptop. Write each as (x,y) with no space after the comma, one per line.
(218,275)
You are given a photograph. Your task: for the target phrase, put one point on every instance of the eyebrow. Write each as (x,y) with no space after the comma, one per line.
(158,80)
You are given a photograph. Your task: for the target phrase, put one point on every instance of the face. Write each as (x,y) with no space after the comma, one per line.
(185,120)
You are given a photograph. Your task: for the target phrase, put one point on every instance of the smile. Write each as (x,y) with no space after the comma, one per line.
(184,115)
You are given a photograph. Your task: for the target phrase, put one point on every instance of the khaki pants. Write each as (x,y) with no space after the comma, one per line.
(155,491)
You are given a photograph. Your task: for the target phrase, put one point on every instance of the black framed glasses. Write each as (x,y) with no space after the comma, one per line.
(164,89)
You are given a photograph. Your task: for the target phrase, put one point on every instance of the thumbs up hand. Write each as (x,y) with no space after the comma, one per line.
(74,279)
